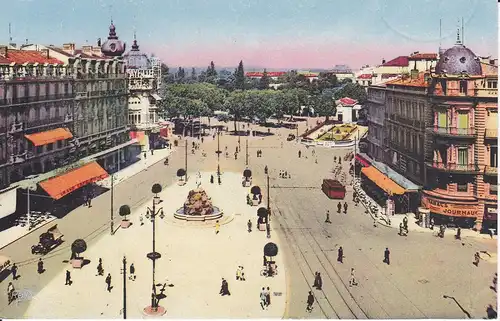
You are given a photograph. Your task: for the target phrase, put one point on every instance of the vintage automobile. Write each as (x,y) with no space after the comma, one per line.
(48,241)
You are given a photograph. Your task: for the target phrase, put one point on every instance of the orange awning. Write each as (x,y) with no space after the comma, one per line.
(382,181)
(59,186)
(50,136)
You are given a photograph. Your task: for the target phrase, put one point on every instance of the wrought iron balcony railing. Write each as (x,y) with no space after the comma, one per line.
(453,167)
(453,131)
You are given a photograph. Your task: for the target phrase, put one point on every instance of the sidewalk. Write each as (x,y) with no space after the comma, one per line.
(142,164)
(16,232)
(194,259)
(394,221)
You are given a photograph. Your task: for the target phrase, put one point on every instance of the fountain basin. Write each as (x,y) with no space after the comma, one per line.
(217,214)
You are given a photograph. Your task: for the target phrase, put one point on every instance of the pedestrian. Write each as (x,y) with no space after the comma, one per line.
(268,297)
(386,256)
(401,229)
(100,270)
(238,273)
(300,153)
(217,227)
(328,217)
(263,298)
(13,269)
(202,140)
(405,223)
(313,152)
(318,281)
(89,200)
(11,290)
(224,288)
(340,255)
(152,151)
(431,224)
(310,302)
(477,257)
(108,282)
(211,179)
(68,278)
(132,272)
(459,234)
(145,155)
(352,278)
(40,266)
(266,170)
(339,208)
(281,144)
(235,155)
(345,207)
(219,180)
(495,280)
(249,226)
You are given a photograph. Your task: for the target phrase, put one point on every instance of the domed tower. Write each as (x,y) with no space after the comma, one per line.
(135,59)
(459,60)
(113,47)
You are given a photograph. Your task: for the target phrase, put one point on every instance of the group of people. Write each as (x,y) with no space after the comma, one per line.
(259,153)
(265,298)
(339,207)
(403,227)
(284,174)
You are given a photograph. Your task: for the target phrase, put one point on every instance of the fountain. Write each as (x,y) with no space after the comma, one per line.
(198,207)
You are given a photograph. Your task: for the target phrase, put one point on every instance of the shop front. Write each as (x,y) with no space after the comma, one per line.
(451,212)
(490,217)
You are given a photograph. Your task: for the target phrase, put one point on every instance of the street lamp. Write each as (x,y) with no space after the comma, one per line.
(268,227)
(154,308)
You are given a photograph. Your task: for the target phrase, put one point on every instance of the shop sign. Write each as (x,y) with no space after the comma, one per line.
(449,209)
(492,210)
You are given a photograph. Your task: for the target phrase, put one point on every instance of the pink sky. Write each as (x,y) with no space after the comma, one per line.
(290,55)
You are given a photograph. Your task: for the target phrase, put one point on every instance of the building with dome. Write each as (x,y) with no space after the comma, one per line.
(433,136)
(143,98)
(461,153)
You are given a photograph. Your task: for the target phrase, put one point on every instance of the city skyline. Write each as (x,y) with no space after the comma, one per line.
(309,34)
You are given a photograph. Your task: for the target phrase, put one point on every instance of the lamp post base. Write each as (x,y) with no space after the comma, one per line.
(154,312)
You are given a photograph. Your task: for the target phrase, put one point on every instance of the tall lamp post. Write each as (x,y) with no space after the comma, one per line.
(246,152)
(154,309)
(218,152)
(268,227)
(186,159)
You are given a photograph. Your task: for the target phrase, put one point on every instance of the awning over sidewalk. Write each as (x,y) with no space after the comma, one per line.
(59,186)
(50,136)
(362,160)
(382,181)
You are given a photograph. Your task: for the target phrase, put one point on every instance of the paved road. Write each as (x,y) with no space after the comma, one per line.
(423,268)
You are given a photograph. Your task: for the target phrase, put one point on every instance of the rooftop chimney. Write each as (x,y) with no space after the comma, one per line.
(3,51)
(97,51)
(87,50)
(45,53)
(69,48)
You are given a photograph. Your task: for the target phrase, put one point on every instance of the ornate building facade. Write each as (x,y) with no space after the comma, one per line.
(143,82)
(61,108)
(461,151)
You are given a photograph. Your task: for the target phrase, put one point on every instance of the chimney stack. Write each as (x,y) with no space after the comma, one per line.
(69,48)
(383,61)
(87,50)
(3,51)
(45,53)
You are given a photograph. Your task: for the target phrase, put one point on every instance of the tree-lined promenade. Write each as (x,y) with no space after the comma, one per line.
(242,97)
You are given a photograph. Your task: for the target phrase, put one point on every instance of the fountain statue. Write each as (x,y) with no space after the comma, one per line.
(198,206)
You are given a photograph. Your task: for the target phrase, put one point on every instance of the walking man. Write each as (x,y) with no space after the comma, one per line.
(10,292)
(268,297)
(477,257)
(263,298)
(300,153)
(345,207)
(249,226)
(405,223)
(310,302)
(132,272)
(339,208)
(100,270)
(211,179)
(318,282)
(217,227)
(328,217)
(224,289)
(352,279)
(459,234)
(68,278)
(108,282)
(40,266)
(386,256)
(218,178)
(14,271)
(340,255)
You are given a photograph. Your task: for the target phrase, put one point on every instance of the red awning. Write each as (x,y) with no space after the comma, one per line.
(59,186)
(50,136)
(362,160)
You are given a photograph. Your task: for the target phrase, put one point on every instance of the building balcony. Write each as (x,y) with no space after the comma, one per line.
(452,167)
(489,170)
(491,133)
(17,127)
(453,131)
